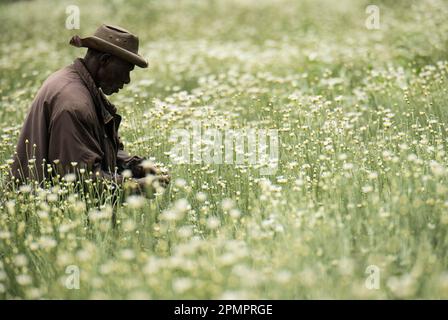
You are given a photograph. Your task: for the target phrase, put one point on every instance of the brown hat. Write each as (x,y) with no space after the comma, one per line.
(113,40)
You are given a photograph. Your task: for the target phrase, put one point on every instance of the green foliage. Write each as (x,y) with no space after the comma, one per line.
(362,178)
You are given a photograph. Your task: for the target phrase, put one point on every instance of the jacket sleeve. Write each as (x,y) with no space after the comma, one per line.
(72,140)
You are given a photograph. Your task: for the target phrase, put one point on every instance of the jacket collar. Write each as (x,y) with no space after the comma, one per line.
(107,109)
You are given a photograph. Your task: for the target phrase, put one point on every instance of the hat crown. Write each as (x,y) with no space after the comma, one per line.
(118,36)
(113,40)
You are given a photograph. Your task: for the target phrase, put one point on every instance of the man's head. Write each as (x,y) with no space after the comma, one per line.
(111,56)
(109,72)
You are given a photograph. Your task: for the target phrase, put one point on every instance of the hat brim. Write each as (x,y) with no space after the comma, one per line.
(107,47)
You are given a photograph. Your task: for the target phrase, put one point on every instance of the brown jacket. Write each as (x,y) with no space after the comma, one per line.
(71,121)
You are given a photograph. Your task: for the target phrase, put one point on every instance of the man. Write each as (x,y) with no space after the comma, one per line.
(71,124)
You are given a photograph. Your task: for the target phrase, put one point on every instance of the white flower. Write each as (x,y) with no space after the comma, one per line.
(412,157)
(180,285)
(213,223)
(5,235)
(279,228)
(10,205)
(235,213)
(437,169)
(372,175)
(185,231)
(201,196)
(135,202)
(282,179)
(52,197)
(25,188)
(127,174)
(347,166)
(42,214)
(180,183)
(47,242)
(181,206)
(20,260)
(23,279)
(129,225)
(227,204)
(170,215)
(70,177)
(127,254)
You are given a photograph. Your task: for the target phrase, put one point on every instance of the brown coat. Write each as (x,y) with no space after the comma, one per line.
(71,121)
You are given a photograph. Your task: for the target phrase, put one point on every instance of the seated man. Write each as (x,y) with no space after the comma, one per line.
(71,123)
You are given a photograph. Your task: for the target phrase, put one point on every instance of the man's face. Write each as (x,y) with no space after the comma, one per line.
(113,74)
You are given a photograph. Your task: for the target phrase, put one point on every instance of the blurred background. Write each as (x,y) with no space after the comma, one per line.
(361,115)
(185,40)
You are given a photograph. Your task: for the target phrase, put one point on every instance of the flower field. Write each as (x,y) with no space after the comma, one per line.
(356,208)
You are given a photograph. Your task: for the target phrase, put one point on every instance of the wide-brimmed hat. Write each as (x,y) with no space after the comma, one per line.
(113,40)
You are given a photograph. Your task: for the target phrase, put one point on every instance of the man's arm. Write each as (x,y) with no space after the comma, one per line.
(71,140)
(72,145)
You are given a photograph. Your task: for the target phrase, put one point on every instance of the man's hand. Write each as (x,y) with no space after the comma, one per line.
(150,184)
(156,181)
(146,167)
(148,178)
(150,168)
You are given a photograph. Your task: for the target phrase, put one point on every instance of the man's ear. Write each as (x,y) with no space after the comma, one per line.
(105,59)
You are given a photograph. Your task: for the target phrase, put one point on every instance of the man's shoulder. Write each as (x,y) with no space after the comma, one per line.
(61,78)
(68,92)
(66,83)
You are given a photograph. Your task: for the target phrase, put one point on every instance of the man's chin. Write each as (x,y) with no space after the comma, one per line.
(109,92)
